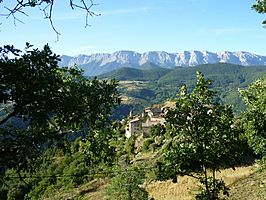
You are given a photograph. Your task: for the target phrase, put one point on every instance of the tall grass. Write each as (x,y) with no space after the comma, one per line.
(186,187)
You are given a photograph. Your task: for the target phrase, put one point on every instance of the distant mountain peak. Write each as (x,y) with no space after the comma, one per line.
(99,63)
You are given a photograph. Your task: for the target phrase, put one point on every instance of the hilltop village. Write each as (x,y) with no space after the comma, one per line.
(141,124)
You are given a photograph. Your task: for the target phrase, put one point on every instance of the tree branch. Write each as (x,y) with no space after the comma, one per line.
(48,10)
(48,15)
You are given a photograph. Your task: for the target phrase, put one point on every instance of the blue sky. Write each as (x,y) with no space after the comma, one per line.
(142,25)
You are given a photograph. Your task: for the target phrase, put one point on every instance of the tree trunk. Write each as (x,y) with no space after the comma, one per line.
(208,195)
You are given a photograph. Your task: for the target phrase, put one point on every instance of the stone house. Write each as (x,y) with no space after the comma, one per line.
(133,127)
(141,125)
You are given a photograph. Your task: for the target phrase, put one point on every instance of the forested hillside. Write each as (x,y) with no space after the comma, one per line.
(155,85)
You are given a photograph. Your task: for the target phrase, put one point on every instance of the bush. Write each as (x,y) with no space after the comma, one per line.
(130,145)
(146,144)
(159,140)
(17,192)
(125,185)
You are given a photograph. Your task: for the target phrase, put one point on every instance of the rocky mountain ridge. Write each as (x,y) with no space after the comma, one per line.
(96,64)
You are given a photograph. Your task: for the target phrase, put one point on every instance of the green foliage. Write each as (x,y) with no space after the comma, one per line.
(214,188)
(157,130)
(130,145)
(45,108)
(255,97)
(125,185)
(16,193)
(260,7)
(143,93)
(203,136)
(133,74)
(52,101)
(232,97)
(56,173)
(98,148)
(56,170)
(118,138)
(146,144)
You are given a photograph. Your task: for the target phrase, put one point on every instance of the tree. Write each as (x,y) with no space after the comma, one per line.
(204,139)
(44,104)
(255,97)
(125,185)
(260,7)
(46,6)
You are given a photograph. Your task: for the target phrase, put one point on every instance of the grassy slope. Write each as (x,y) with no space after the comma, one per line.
(245,183)
(253,187)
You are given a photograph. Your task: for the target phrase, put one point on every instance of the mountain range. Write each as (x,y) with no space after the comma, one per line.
(100,63)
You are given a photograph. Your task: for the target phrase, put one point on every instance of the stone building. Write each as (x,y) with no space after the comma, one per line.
(133,127)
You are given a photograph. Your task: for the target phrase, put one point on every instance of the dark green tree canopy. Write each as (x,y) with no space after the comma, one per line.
(52,101)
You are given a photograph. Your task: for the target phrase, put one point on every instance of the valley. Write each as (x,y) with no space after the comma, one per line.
(143,87)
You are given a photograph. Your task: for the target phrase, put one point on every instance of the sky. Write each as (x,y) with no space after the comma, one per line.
(140,25)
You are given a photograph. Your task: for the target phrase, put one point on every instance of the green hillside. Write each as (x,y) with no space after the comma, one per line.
(222,74)
(146,74)
(160,84)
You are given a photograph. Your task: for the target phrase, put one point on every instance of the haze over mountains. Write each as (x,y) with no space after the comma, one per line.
(96,64)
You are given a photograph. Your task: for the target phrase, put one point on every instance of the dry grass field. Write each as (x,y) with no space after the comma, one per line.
(186,187)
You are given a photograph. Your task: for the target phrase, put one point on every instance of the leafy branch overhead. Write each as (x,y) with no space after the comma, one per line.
(47,6)
(49,101)
(260,7)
